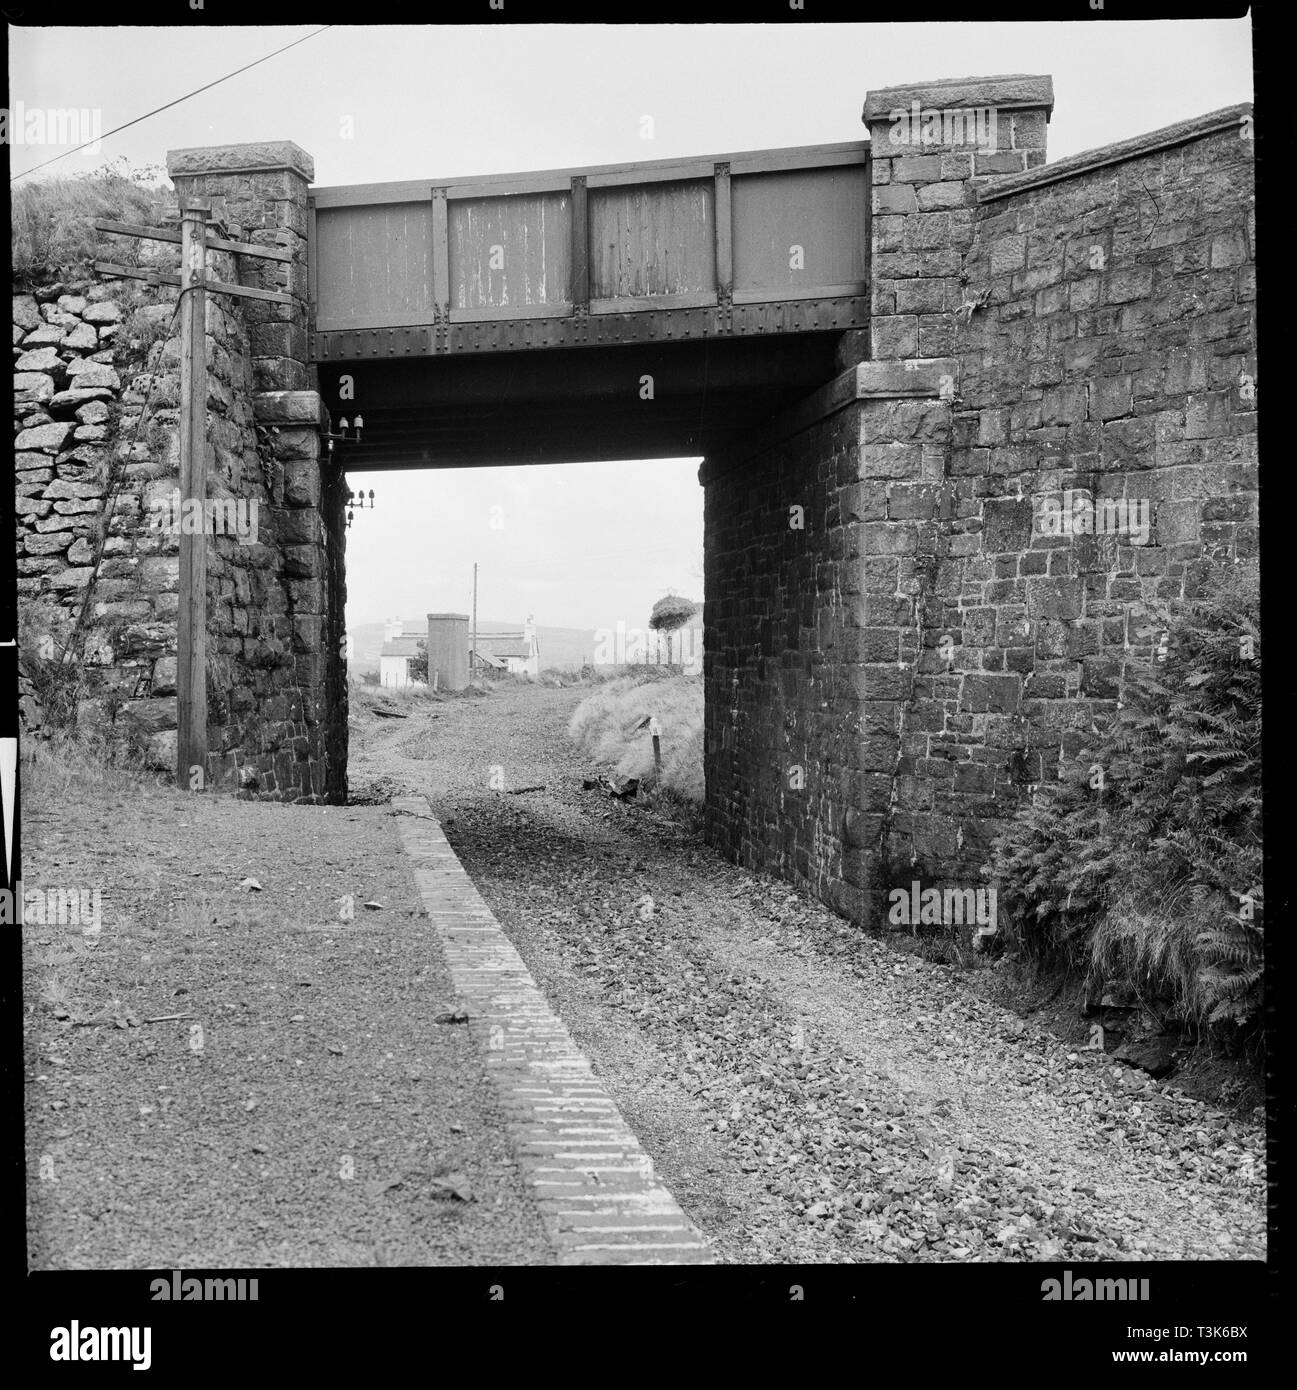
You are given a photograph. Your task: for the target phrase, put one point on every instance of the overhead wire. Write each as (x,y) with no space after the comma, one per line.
(196,91)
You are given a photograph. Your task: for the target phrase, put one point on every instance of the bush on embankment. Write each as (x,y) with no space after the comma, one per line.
(1142,863)
(608,727)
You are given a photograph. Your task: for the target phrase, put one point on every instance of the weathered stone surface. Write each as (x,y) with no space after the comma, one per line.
(115,609)
(84,456)
(41,360)
(288,408)
(77,525)
(86,375)
(1020,90)
(302,482)
(160,573)
(65,402)
(153,715)
(303,561)
(46,438)
(268,155)
(72,303)
(299,527)
(26,315)
(1007,525)
(94,412)
(61,488)
(151,638)
(50,543)
(47,335)
(66,580)
(164,675)
(297,443)
(82,338)
(160,752)
(915,377)
(103,311)
(33,386)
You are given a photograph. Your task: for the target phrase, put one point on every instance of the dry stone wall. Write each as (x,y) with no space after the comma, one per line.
(82,558)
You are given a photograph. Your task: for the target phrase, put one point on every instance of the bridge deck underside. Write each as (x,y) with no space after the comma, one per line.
(571,405)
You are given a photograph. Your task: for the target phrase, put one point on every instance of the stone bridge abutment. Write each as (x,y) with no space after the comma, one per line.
(276,611)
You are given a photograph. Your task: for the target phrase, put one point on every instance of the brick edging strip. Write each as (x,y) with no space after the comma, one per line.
(590,1176)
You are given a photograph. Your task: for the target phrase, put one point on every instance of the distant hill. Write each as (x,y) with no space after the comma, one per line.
(566,648)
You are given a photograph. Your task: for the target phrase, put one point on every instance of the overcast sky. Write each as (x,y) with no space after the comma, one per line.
(581,545)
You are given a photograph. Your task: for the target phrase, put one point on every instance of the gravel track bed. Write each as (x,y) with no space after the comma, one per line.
(807,1093)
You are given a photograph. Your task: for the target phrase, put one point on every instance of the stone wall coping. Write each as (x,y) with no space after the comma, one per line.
(1088,160)
(1011,91)
(895,379)
(887,380)
(288,408)
(260,157)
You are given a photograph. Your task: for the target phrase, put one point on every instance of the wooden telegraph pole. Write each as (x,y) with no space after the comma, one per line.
(191,635)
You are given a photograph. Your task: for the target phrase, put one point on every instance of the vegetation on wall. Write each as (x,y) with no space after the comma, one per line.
(44,630)
(52,221)
(1142,863)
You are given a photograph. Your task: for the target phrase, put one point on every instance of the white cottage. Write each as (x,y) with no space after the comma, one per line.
(399,649)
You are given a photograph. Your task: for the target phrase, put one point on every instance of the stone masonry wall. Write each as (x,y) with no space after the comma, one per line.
(263,725)
(1115,354)
(782,616)
(280,702)
(813,639)
(80,487)
(1087,326)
